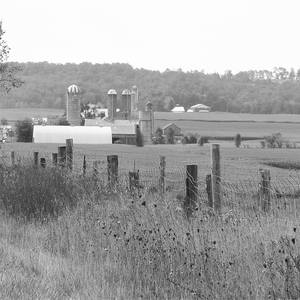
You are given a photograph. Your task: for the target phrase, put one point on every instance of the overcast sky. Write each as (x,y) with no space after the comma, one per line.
(210,35)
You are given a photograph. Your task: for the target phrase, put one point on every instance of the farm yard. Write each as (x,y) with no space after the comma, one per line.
(65,235)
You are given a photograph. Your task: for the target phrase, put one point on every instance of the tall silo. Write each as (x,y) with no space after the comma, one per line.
(146,123)
(134,102)
(73,105)
(126,104)
(112,104)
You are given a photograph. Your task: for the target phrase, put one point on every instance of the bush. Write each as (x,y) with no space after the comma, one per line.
(35,193)
(274,141)
(202,140)
(189,139)
(63,122)
(4,122)
(24,131)
(139,137)
(158,138)
(238,140)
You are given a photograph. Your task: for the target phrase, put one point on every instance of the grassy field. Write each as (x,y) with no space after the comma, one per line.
(15,114)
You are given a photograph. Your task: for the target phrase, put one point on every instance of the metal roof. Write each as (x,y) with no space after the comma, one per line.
(73,89)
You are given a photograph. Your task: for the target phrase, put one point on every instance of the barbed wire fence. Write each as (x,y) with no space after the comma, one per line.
(220,186)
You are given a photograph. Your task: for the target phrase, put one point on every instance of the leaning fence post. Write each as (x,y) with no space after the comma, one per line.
(35,159)
(266,189)
(134,180)
(62,156)
(112,168)
(12,156)
(43,162)
(191,184)
(162,169)
(69,153)
(84,166)
(216,177)
(208,190)
(54,159)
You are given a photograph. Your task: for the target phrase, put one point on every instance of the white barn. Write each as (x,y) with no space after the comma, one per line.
(80,134)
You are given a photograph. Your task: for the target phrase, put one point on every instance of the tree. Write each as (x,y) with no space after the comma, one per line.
(4,122)
(7,71)
(158,137)
(24,131)
(170,134)
(238,140)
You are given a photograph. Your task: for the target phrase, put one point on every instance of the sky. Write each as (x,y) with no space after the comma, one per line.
(209,35)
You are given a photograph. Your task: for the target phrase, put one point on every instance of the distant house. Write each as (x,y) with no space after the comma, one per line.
(199,108)
(178,109)
(177,130)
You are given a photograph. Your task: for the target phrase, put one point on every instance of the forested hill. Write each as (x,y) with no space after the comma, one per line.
(276,91)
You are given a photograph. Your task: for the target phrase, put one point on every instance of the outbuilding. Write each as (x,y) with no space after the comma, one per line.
(80,134)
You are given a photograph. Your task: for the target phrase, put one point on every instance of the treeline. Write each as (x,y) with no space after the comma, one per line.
(45,84)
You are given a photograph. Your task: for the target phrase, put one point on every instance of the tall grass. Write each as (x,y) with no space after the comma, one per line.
(110,245)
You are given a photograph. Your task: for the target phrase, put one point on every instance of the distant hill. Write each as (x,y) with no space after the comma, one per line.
(276,91)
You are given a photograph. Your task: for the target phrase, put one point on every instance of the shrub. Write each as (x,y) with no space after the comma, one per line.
(158,138)
(238,140)
(4,121)
(189,139)
(63,122)
(274,141)
(35,193)
(263,144)
(185,140)
(24,131)
(202,140)
(139,137)
(170,134)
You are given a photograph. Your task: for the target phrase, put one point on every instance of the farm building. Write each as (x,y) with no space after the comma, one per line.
(199,108)
(80,134)
(176,129)
(123,131)
(178,109)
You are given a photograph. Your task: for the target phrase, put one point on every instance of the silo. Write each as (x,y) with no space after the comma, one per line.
(73,105)
(146,123)
(134,102)
(126,104)
(112,104)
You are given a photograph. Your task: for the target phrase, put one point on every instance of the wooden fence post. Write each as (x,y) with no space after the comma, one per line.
(35,159)
(69,153)
(62,156)
(216,177)
(134,180)
(54,159)
(13,159)
(191,188)
(112,168)
(95,168)
(266,190)
(162,176)
(208,190)
(43,162)
(84,166)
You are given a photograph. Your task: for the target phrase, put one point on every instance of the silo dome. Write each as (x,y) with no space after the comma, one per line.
(112,92)
(73,89)
(126,92)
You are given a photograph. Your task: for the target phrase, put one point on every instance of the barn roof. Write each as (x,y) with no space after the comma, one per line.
(170,124)
(118,127)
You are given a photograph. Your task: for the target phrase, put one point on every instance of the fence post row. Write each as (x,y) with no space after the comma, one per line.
(112,168)
(69,153)
(43,162)
(62,156)
(36,158)
(54,159)
(191,188)
(216,177)
(265,189)
(162,168)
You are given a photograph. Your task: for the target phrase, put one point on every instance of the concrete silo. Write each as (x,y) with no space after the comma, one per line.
(146,123)
(125,107)
(73,105)
(134,102)
(112,104)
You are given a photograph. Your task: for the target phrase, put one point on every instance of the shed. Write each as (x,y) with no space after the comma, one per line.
(80,134)
(177,130)
(178,109)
